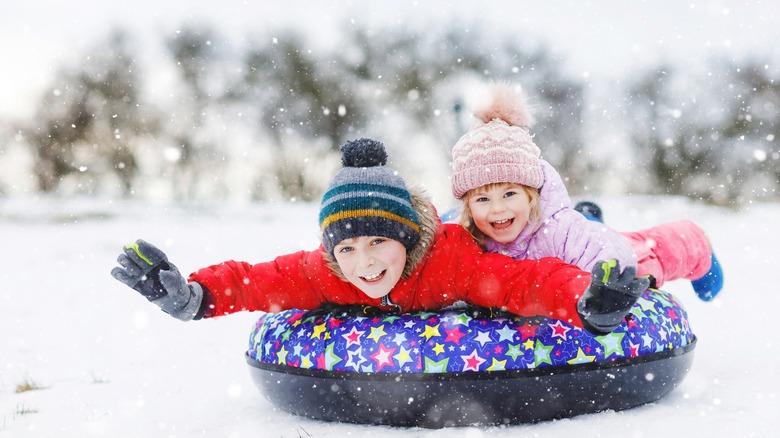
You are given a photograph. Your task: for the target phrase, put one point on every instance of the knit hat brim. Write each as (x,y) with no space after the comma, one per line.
(357,223)
(469,178)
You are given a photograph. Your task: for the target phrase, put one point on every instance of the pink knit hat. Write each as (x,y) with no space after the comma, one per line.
(500,148)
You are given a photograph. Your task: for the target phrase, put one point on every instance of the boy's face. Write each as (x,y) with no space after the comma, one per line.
(500,211)
(373,264)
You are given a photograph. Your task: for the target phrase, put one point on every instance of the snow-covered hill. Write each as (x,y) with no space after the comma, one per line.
(110,364)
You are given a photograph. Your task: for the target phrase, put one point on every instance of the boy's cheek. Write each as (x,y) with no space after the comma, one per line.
(343,265)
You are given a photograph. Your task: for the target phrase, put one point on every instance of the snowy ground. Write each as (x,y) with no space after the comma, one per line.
(110,364)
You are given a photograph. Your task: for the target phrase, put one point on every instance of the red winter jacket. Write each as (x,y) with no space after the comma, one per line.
(454,268)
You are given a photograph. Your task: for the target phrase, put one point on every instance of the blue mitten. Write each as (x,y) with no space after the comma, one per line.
(147,270)
(708,286)
(610,296)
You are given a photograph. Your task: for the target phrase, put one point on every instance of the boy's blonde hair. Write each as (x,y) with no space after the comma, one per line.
(467,221)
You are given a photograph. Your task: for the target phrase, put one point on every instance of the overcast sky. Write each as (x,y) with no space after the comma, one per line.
(595,38)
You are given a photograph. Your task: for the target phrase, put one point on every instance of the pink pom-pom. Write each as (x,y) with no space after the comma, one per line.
(507,103)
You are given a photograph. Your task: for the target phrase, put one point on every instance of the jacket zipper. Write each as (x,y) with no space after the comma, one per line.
(387,303)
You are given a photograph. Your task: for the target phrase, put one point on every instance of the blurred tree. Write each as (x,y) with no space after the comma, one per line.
(751,161)
(704,140)
(300,98)
(392,80)
(89,123)
(193,155)
(296,103)
(297,90)
(558,107)
(411,73)
(662,138)
(405,67)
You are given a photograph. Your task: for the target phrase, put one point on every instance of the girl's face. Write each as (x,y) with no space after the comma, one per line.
(373,264)
(500,211)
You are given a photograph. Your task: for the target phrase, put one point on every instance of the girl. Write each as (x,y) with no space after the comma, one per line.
(516,204)
(383,246)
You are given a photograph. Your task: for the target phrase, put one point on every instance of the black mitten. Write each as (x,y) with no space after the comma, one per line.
(610,296)
(146,269)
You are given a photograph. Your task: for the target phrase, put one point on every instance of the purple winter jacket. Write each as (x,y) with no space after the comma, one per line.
(565,233)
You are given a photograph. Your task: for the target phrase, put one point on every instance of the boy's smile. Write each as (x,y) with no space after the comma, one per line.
(373,264)
(374,277)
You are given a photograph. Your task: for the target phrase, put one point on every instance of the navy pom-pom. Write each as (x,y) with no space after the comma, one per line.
(363,152)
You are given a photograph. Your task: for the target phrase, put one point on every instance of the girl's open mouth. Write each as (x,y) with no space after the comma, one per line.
(502,224)
(373,278)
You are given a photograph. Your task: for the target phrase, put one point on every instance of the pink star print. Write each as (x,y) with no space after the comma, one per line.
(526,331)
(453,335)
(353,337)
(472,362)
(559,330)
(383,357)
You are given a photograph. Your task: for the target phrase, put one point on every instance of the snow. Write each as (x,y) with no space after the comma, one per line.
(111,364)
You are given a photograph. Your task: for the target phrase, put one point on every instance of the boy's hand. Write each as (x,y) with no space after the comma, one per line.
(145,268)
(141,265)
(610,296)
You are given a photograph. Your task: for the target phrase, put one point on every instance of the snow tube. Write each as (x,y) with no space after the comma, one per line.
(465,367)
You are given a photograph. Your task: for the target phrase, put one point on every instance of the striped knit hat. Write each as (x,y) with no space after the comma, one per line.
(367,199)
(499,149)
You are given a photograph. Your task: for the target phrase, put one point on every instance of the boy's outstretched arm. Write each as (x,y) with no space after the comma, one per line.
(146,269)
(610,296)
